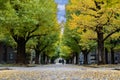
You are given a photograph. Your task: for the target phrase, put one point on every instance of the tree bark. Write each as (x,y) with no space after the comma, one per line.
(67,61)
(77,58)
(43,58)
(37,57)
(21,55)
(100,42)
(106,55)
(112,56)
(5,54)
(72,59)
(85,53)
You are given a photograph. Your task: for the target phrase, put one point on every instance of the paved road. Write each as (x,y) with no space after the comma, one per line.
(51,67)
(59,72)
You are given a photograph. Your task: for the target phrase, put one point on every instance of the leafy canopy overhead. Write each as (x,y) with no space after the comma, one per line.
(93,15)
(29,17)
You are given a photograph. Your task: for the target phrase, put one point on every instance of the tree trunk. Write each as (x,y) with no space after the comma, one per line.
(85,53)
(21,55)
(67,61)
(85,59)
(52,61)
(37,53)
(106,55)
(100,42)
(72,59)
(77,57)
(37,57)
(43,58)
(5,54)
(112,56)
(47,60)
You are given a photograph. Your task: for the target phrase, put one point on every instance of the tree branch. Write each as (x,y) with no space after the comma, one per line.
(76,42)
(37,26)
(13,35)
(29,37)
(117,30)
(44,47)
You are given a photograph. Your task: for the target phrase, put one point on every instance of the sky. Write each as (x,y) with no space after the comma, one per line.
(61,10)
(61,1)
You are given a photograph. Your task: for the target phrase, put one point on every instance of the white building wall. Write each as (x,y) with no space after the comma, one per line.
(91,58)
(81,58)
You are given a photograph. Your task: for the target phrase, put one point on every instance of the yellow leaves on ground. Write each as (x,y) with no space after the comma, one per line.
(19,75)
(60,74)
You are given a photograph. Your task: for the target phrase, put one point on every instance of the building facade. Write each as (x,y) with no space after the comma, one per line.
(92,58)
(7,54)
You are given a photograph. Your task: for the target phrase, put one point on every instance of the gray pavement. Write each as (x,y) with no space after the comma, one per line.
(55,67)
(59,72)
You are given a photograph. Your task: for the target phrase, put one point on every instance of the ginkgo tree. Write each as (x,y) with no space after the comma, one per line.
(24,19)
(87,45)
(112,44)
(100,16)
(45,44)
(72,41)
(80,42)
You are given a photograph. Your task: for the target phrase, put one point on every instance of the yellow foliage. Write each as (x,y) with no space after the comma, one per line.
(90,17)
(116,36)
(81,22)
(73,6)
(88,35)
